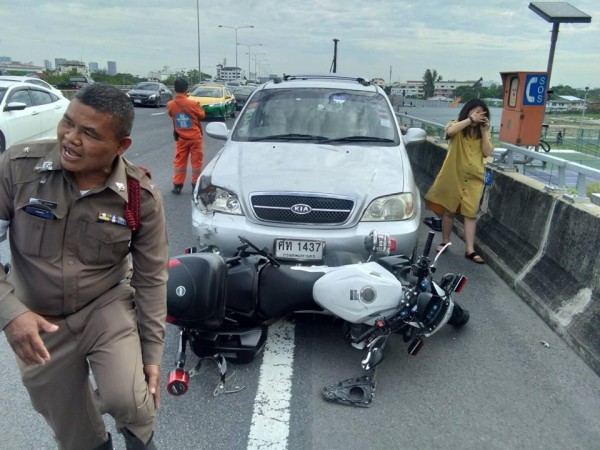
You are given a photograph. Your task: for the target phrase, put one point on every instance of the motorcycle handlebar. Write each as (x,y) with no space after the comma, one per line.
(427,248)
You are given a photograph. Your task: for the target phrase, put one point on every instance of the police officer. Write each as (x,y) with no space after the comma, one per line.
(89,268)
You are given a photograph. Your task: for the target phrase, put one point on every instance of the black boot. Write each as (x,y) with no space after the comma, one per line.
(107,445)
(177,189)
(132,442)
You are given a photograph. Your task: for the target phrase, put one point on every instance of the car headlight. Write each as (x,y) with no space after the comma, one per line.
(215,199)
(152,96)
(215,105)
(390,208)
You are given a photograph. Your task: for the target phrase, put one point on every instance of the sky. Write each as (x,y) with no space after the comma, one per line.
(396,40)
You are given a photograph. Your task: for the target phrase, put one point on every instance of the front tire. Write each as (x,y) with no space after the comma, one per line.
(459,317)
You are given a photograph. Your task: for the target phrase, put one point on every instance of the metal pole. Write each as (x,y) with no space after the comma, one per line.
(236,62)
(553,40)
(198,17)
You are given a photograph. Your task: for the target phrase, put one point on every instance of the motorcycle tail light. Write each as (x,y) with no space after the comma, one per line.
(459,283)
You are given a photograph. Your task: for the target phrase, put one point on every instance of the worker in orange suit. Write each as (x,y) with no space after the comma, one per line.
(187,131)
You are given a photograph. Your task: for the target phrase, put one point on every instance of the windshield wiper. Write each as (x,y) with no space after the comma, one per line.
(357,139)
(288,136)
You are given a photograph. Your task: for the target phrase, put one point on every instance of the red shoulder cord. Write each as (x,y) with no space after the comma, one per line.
(132,208)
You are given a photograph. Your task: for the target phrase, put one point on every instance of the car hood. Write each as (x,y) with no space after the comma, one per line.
(142,91)
(207,100)
(356,171)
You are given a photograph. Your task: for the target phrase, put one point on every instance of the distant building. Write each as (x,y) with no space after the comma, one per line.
(47,64)
(446,88)
(112,67)
(17,68)
(5,59)
(412,89)
(565,103)
(67,66)
(59,61)
(93,67)
(229,73)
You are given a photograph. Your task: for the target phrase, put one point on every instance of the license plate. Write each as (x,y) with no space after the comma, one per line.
(299,249)
(137,101)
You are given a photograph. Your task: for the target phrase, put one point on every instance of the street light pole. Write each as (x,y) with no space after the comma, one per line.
(198,17)
(249,47)
(236,38)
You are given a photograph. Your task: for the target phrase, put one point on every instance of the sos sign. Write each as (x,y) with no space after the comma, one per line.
(535,89)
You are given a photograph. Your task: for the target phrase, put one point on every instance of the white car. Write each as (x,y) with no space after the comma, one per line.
(313,164)
(28,112)
(31,80)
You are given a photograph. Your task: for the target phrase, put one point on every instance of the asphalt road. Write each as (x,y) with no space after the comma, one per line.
(505,381)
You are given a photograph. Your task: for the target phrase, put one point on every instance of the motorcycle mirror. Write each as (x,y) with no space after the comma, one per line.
(374,357)
(440,253)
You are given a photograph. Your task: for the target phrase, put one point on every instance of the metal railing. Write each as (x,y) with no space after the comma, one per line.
(508,156)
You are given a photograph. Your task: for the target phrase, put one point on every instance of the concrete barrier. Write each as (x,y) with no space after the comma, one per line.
(546,248)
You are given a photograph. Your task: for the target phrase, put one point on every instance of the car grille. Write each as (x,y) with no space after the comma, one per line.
(302,209)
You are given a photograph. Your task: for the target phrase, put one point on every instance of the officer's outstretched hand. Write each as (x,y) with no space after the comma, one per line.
(23,335)
(152,373)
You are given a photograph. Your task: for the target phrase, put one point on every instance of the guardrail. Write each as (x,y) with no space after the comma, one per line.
(504,158)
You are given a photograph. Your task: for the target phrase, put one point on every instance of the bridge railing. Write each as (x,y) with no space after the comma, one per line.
(508,156)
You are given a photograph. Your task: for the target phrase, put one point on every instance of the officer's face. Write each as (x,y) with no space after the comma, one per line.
(88,145)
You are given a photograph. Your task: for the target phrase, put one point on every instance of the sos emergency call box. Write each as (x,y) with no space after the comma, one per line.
(523,107)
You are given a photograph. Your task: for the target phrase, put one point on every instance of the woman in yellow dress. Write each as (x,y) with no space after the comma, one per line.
(458,186)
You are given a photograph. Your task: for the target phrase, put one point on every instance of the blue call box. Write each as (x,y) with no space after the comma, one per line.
(535,89)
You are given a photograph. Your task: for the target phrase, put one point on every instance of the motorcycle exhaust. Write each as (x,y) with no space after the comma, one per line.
(178,382)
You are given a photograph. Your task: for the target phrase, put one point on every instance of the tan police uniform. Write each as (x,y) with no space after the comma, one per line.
(70,264)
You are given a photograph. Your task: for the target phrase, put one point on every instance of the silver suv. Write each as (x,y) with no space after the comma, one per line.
(312,165)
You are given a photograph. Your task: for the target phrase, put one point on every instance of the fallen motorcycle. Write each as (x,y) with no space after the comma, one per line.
(223,306)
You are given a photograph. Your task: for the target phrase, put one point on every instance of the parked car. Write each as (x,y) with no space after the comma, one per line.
(217,100)
(150,93)
(311,166)
(32,80)
(28,112)
(75,82)
(241,94)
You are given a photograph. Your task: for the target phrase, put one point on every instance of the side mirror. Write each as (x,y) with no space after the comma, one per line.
(15,106)
(217,130)
(415,135)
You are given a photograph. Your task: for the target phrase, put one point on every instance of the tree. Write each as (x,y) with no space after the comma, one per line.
(429,79)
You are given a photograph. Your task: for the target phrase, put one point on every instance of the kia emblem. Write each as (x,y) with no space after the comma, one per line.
(301,208)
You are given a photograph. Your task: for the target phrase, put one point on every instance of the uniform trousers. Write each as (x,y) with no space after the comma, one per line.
(102,337)
(187,149)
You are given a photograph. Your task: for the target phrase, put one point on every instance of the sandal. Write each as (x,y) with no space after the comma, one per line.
(475,257)
(440,248)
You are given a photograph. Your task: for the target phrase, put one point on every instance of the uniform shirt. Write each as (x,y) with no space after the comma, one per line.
(459,185)
(186,115)
(77,248)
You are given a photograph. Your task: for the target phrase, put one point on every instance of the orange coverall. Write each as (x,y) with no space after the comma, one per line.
(186,115)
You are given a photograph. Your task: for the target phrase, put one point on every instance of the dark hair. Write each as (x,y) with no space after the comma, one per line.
(108,99)
(464,113)
(181,85)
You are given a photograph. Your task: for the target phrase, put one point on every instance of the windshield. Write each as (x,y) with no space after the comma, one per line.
(243,90)
(2,92)
(147,87)
(207,92)
(325,115)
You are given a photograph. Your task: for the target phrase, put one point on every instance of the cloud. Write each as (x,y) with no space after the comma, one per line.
(461,40)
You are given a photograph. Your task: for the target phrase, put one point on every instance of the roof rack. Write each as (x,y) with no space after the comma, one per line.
(331,76)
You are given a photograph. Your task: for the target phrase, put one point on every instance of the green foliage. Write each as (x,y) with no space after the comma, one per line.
(469,92)
(192,76)
(430,77)
(592,188)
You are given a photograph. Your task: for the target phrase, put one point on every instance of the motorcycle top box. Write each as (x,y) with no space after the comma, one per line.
(196,290)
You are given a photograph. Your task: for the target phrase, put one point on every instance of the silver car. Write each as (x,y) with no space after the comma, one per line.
(312,165)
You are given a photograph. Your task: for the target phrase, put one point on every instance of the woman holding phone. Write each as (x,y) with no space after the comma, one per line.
(458,186)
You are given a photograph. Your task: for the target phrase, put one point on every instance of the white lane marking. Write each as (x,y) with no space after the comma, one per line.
(271,416)
(159,113)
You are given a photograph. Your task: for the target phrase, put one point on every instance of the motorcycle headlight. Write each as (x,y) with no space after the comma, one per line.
(390,208)
(215,199)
